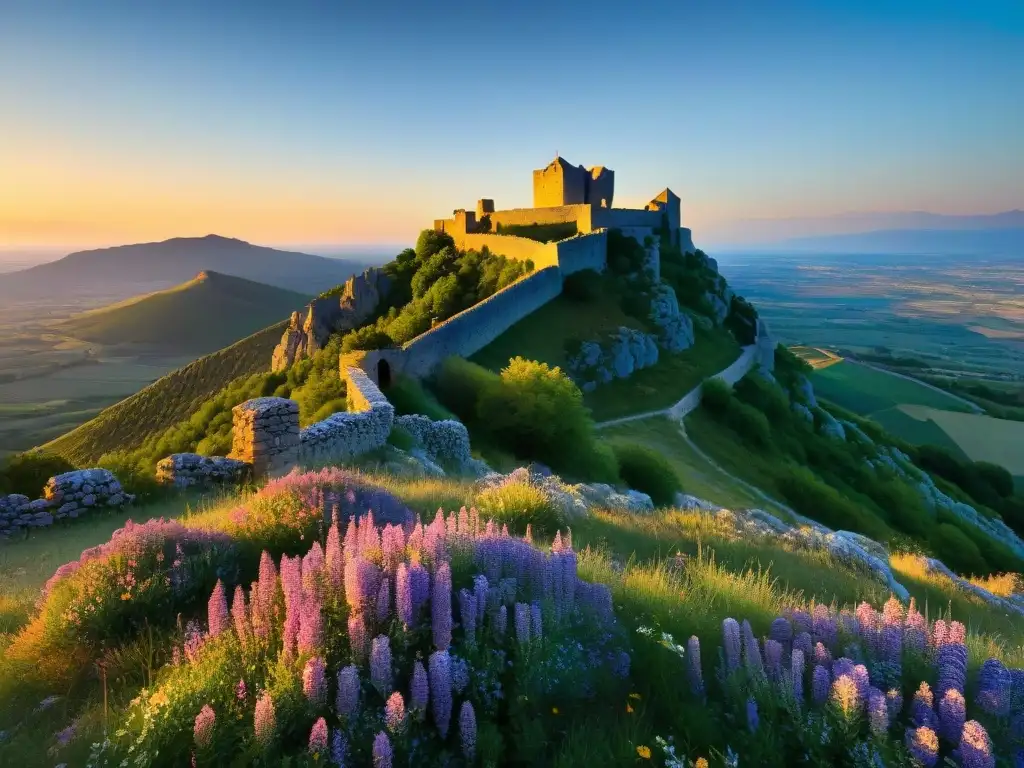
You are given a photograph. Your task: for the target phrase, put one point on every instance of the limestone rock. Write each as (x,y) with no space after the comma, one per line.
(676,327)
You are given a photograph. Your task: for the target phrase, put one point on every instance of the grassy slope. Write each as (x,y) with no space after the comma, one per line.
(166,401)
(867,391)
(205,314)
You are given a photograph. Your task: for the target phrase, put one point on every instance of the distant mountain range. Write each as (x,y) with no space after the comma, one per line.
(127,270)
(207,313)
(913,231)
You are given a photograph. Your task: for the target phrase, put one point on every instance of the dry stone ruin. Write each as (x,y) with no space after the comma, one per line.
(66,496)
(266,435)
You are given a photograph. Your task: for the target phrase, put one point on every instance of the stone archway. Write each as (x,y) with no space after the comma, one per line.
(383,374)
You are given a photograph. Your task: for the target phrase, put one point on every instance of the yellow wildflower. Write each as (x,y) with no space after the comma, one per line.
(126,595)
(701,763)
(634,696)
(554,710)
(158,699)
(644,752)
(629,708)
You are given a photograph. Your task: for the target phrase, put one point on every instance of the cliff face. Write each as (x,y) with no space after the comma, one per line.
(309,331)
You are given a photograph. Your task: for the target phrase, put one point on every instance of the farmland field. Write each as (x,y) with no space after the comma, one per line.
(867,391)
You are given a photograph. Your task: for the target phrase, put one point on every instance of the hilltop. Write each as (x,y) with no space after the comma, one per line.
(128,270)
(211,311)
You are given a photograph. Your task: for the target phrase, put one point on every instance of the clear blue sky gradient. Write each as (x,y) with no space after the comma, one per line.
(745,109)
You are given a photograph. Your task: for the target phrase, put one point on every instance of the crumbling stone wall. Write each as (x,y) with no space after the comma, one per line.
(364,427)
(183,470)
(446,440)
(266,435)
(68,495)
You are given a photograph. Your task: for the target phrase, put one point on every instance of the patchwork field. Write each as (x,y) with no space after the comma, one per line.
(867,391)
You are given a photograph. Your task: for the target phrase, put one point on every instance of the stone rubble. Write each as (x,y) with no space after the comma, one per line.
(183,470)
(65,496)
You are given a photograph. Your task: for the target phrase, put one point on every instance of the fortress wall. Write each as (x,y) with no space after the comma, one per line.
(511,247)
(619,218)
(364,427)
(473,329)
(554,215)
(583,252)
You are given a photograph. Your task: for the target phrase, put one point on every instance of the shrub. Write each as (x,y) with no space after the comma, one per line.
(519,504)
(811,497)
(430,242)
(745,420)
(742,320)
(625,255)
(583,286)
(401,438)
(408,396)
(955,549)
(27,473)
(645,470)
(459,384)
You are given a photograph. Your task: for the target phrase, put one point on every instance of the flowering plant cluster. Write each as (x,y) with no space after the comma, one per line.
(863,687)
(408,644)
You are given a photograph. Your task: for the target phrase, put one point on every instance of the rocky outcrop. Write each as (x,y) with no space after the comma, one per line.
(184,470)
(829,427)
(308,332)
(675,327)
(615,357)
(66,496)
(805,392)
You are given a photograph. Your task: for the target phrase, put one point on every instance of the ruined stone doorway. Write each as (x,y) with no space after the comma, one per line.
(383,374)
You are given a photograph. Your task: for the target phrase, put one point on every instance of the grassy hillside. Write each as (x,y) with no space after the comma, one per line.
(166,401)
(207,313)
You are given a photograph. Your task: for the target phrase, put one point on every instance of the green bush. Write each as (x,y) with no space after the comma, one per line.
(745,420)
(408,396)
(27,473)
(519,504)
(815,499)
(401,438)
(742,320)
(955,549)
(625,255)
(459,384)
(430,242)
(583,286)
(645,470)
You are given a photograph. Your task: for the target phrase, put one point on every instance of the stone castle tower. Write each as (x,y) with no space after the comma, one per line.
(562,183)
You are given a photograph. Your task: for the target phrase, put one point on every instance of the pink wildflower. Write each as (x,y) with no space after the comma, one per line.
(394,713)
(203,729)
(264,721)
(318,738)
(217,610)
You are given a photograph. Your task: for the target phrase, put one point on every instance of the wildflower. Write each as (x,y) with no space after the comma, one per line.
(240,615)
(348,691)
(193,640)
(751,650)
(467,730)
(441,607)
(357,637)
(701,763)
(752,718)
(441,690)
(536,621)
(334,562)
(384,601)
(264,722)
(554,711)
(952,666)
(318,738)
(460,674)
(394,713)
(731,642)
(923,745)
(957,633)
(522,622)
(821,683)
(952,715)
(240,690)
(313,683)
(894,703)
(629,708)
(468,613)
(403,595)
(994,688)
(939,633)
(821,655)
(380,664)
(773,658)
(311,623)
(892,613)
(501,622)
(781,631)
(844,694)
(878,712)
(203,729)
(804,643)
(420,689)
(798,674)
(921,712)
(382,753)
(339,748)
(976,746)
(644,752)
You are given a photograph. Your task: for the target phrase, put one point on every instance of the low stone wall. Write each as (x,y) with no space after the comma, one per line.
(183,470)
(266,435)
(364,427)
(69,495)
(446,440)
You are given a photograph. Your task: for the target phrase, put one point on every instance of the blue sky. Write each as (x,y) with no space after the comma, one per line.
(322,122)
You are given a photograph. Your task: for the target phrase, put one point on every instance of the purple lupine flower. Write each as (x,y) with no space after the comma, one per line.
(264,721)
(522,623)
(382,753)
(384,600)
(394,713)
(467,731)
(731,642)
(311,624)
(823,626)
(781,631)
(240,615)
(894,702)
(334,559)
(241,691)
(797,669)
(217,610)
(804,643)
(380,665)
(845,695)
(480,586)
(536,621)
(693,668)
(752,718)
(751,651)
(203,728)
(921,708)
(501,622)
(314,684)
(460,673)
(878,712)
(318,738)
(821,684)
(419,580)
(313,569)
(468,612)
(347,700)
(403,596)
(923,745)
(339,748)
(801,620)
(952,715)
(822,655)
(441,690)
(891,643)
(915,634)
(976,746)
(619,664)
(842,666)
(357,637)
(441,607)
(939,633)
(957,633)
(773,658)
(862,680)
(419,690)
(952,666)
(392,546)
(994,688)
(361,582)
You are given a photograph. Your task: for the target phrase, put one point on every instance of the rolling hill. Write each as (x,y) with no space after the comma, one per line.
(207,313)
(128,270)
(166,401)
